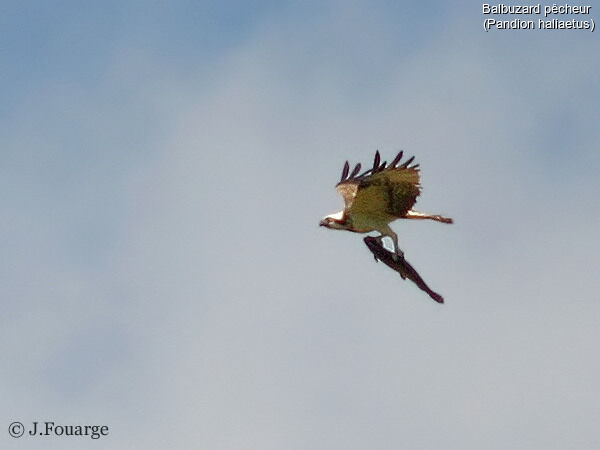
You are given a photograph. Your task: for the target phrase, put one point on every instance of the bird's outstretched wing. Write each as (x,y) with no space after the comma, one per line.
(400,265)
(383,190)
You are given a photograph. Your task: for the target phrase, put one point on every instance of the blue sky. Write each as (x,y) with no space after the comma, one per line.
(165,167)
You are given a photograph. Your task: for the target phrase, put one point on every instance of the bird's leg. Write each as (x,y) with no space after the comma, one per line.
(398,254)
(419,215)
(379,239)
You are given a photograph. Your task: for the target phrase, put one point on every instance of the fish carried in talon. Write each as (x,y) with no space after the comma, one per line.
(378,196)
(400,265)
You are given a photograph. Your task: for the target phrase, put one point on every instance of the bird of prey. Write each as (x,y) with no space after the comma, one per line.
(375,198)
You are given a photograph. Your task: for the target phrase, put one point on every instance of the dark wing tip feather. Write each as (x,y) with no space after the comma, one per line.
(365,173)
(355,171)
(407,162)
(345,171)
(397,159)
(376,161)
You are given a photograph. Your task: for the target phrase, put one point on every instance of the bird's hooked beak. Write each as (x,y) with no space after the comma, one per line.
(332,220)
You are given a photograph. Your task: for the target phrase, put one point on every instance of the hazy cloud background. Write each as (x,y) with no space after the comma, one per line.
(165,166)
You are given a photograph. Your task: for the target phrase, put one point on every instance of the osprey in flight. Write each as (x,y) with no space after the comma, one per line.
(375,198)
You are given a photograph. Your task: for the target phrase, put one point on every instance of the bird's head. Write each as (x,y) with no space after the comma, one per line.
(335,221)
